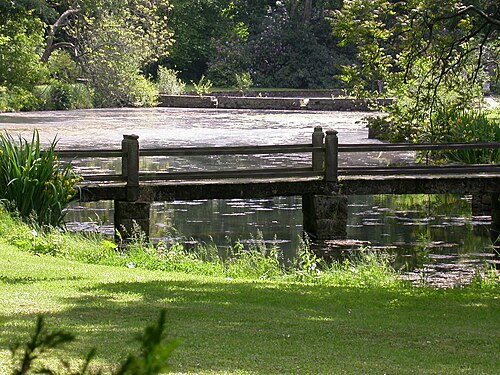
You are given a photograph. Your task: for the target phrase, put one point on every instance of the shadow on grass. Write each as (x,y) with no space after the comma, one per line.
(228,326)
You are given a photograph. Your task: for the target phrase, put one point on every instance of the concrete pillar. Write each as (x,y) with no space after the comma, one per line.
(325,216)
(129,215)
(481,204)
(495,219)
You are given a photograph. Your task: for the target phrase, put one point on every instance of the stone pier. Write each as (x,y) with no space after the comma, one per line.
(325,216)
(131,217)
(495,219)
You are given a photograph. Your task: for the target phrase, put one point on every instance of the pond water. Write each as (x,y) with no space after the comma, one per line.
(419,229)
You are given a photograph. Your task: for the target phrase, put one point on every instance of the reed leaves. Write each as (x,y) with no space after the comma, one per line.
(33,182)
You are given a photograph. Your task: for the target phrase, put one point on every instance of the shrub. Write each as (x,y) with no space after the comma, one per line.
(168,83)
(60,95)
(230,57)
(243,81)
(203,87)
(18,98)
(473,126)
(62,67)
(34,183)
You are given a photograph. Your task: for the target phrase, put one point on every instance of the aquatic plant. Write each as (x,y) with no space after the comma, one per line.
(34,183)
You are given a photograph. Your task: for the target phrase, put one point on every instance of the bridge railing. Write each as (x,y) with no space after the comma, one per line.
(452,168)
(324,148)
(130,153)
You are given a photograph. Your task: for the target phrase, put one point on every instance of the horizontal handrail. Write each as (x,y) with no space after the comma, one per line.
(103,177)
(233,150)
(103,153)
(420,169)
(277,149)
(269,173)
(324,150)
(416,146)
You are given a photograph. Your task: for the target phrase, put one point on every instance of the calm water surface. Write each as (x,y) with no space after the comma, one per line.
(418,228)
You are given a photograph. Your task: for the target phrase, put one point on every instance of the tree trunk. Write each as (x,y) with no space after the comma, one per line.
(50,45)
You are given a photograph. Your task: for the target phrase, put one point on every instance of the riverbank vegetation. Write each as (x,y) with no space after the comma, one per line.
(238,322)
(34,184)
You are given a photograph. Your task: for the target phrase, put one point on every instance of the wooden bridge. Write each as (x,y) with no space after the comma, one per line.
(324,184)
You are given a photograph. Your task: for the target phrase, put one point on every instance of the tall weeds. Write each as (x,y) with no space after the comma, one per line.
(33,182)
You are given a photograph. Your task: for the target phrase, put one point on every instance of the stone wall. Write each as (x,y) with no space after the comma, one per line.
(271,103)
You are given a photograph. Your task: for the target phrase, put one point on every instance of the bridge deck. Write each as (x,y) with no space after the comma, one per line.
(260,188)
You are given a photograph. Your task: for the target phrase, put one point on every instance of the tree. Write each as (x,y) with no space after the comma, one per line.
(433,54)
(392,37)
(113,42)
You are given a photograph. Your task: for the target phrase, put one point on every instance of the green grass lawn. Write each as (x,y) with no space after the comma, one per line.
(251,327)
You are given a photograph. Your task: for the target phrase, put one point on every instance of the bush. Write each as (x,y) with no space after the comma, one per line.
(34,183)
(243,81)
(168,83)
(231,56)
(203,87)
(62,67)
(473,126)
(63,96)
(18,99)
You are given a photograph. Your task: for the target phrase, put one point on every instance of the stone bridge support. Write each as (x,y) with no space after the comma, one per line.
(131,219)
(325,216)
(495,219)
(486,204)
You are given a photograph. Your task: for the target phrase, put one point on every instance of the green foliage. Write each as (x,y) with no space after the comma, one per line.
(256,262)
(363,268)
(118,44)
(282,44)
(168,83)
(60,95)
(431,56)
(17,98)
(33,181)
(154,353)
(230,56)
(243,81)
(203,87)
(152,359)
(114,56)
(21,40)
(62,67)
(40,342)
(473,127)
(290,53)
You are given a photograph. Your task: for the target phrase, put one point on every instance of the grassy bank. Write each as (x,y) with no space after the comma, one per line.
(250,326)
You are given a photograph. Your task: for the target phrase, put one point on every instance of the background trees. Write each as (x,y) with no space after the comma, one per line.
(107,44)
(433,56)
(280,43)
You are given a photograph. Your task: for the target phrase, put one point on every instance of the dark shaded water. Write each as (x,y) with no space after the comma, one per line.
(439,229)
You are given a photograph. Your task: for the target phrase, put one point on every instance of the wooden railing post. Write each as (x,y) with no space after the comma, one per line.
(318,157)
(130,165)
(331,157)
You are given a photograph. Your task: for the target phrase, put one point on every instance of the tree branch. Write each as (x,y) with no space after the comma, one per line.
(61,21)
